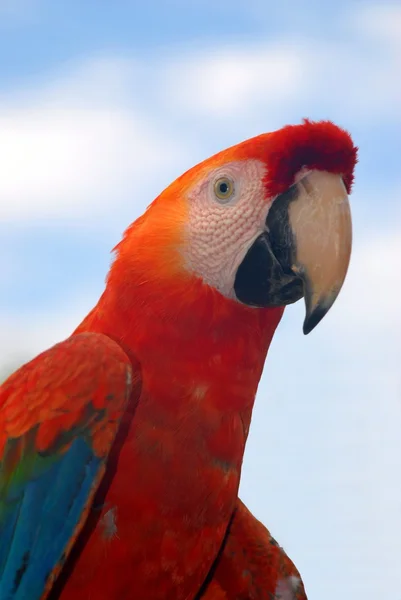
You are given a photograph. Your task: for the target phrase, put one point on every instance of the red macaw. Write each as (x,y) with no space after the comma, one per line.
(121,447)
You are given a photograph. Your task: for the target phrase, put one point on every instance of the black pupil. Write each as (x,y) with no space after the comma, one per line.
(223,188)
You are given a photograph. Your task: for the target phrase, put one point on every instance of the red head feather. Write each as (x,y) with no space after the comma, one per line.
(317,145)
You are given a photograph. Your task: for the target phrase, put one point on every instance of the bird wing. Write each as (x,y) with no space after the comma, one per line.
(59,415)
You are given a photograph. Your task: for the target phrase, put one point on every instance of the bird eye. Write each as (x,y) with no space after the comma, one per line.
(224,188)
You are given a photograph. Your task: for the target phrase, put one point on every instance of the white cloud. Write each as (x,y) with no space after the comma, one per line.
(223,81)
(63,161)
(354,78)
(75,147)
(380,21)
(377,84)
(99,130)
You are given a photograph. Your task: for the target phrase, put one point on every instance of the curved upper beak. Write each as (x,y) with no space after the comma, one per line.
(304,251)
(320,219)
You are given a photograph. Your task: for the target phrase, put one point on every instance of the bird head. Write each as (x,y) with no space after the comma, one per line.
(261,224)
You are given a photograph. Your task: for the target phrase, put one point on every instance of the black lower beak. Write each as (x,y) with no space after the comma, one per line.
(264,278)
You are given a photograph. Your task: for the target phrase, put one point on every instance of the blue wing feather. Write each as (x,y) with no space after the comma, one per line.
(38,542)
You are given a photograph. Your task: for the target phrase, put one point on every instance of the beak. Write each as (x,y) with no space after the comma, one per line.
(304,251)
(320,220)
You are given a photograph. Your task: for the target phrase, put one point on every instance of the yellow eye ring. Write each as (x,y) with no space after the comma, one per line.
(223,188)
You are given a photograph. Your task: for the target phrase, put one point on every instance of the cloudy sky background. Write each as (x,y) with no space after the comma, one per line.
(102,104)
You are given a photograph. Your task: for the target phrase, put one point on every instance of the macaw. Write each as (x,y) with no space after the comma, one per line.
(251,565)
(121,447)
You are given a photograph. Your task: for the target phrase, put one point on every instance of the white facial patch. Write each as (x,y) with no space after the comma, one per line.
(220,231)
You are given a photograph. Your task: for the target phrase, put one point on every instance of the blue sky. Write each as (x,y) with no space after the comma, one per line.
(102,104)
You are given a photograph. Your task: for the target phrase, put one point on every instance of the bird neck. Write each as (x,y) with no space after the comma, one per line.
(189,334)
